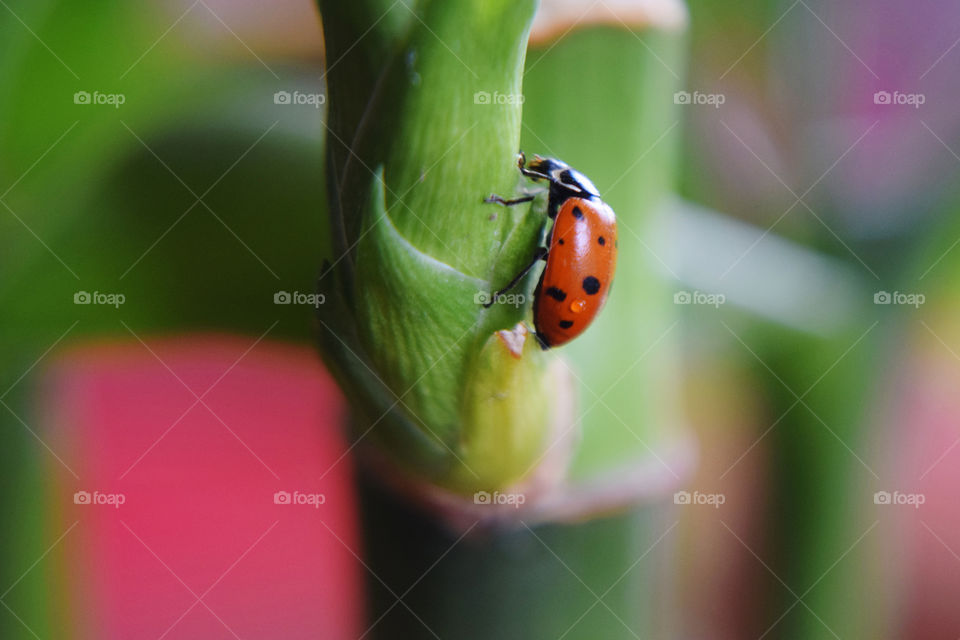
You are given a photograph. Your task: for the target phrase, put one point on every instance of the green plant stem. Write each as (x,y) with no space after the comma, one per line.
(542,580)
(587,580)
(412,155)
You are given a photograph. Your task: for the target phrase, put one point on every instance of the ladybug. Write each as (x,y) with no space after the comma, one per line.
(581,252)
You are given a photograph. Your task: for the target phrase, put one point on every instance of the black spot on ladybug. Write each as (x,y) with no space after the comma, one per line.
(560,241)
(601,241)
(566,324)
(591,285)
(557,294)
(577,213)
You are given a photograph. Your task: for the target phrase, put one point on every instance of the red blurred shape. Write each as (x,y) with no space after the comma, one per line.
(200,548)
(928,462)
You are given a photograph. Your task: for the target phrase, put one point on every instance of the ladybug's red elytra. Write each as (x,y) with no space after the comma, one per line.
(581,252)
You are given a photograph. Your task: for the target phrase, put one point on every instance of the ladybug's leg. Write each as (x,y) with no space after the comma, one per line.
(495,199)
(554,201)
(541,254)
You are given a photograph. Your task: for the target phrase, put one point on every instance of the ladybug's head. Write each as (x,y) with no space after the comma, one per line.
(560,176)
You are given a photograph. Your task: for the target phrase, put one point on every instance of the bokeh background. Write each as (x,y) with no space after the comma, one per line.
(161,183)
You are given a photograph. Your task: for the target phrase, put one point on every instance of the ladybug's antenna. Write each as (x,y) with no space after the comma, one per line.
(536,175)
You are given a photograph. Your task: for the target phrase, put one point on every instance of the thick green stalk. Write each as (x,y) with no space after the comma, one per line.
(413,151)
(538,577)
(589,580)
